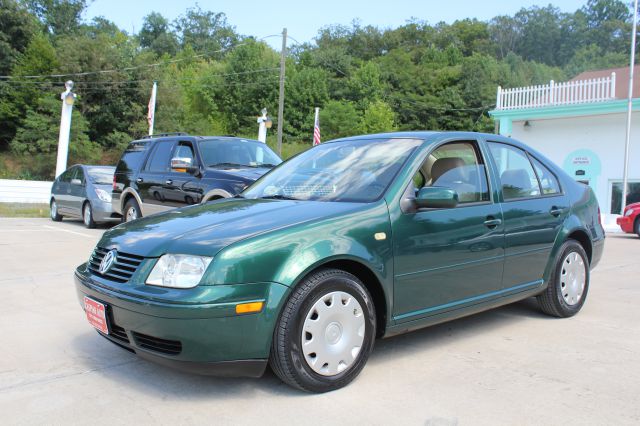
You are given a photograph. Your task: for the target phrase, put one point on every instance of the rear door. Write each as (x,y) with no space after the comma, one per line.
(445,259)
(534,209)
(152,179)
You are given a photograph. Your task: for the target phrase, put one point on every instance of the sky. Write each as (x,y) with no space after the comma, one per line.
(303,19)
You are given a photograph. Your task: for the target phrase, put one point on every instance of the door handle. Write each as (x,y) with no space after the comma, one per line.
(492,222)
(555,211)
(139,180)
(169,182)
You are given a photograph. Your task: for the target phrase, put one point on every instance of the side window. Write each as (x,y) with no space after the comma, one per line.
(80,175)
(458,166)
(548,181)
(159,160)
(66,176)
(184,150)
(515,170)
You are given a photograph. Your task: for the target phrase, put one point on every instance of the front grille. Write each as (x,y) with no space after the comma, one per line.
(169,347)
(122,269)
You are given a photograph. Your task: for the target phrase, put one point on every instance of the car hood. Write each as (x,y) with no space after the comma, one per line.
(244,173)
(205,229)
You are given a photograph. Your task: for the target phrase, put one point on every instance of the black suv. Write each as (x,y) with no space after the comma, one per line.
(174,170)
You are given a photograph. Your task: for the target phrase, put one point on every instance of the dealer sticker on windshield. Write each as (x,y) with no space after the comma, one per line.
(96,314)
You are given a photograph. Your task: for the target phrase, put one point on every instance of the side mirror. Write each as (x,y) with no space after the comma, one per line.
(183,165)
(76,182)
(434,197)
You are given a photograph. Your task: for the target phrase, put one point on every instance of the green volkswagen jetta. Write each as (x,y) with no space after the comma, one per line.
(354,239)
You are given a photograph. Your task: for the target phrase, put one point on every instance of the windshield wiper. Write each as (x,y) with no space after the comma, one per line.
(279,197)
(227,165)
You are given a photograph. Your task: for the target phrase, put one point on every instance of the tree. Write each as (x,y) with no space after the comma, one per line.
(378,117)
(340,119)
(206,32)
(17,27)
(157,36)
(58,16)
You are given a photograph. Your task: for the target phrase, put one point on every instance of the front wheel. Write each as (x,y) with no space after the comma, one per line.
(325,333)
(636,226)
(53,211)
(569,282)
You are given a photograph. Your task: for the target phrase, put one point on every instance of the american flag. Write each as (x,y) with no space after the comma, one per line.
(316,128)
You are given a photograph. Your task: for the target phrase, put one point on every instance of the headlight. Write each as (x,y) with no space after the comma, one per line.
(628,212)
(103,195)
(178,271)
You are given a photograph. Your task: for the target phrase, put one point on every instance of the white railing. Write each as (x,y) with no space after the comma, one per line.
(568,93)
(24,191)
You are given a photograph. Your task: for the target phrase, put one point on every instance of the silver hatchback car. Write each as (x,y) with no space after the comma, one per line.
(84,192)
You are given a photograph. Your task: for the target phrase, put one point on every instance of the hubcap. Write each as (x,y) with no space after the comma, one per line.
(573,278)
(333,333)
(54,209)
(87,215)
(132,214)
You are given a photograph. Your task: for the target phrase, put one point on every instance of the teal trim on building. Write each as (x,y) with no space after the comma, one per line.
(508,116)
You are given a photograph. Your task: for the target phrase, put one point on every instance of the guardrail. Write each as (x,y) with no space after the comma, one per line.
(552,94)
(24,191)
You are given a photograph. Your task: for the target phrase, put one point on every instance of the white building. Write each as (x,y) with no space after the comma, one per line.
(580,125)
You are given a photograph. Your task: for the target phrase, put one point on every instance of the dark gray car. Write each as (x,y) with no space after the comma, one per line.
(84,192)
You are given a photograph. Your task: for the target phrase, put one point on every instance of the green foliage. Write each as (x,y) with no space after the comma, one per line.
(212,80)
(339,119)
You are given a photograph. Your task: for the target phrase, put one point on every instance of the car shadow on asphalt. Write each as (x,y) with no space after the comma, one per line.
(113,363)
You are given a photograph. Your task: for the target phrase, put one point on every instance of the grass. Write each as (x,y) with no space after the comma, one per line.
(24,210)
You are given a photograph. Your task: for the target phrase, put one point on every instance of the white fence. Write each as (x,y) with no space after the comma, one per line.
(568,93)
(24,191)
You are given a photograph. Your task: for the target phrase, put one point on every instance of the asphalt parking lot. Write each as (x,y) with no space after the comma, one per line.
(511,365)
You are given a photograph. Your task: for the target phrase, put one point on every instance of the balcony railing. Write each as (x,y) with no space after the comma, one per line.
(552,94)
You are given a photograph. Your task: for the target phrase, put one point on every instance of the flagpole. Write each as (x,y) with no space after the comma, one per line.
(152,108)
(627,142)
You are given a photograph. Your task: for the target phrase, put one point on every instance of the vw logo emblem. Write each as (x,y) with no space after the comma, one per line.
(107,261)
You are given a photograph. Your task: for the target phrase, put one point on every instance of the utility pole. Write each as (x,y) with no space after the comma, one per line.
(627,141)
(68,97)
(283,55)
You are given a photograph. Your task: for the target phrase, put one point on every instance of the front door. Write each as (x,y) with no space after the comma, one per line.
(534,210)
(183,188)
(448,258)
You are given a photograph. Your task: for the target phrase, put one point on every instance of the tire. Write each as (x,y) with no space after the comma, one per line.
(636,226)
(131,211)
(53,211)
(565,296)
(87,216)
(346,321)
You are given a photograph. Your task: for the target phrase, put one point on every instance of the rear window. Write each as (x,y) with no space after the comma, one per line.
(132,158)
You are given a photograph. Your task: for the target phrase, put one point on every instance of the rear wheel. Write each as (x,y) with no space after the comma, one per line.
(131,211)
(325,333)
(636,226)
(87,216)
(53,211)
(569,282)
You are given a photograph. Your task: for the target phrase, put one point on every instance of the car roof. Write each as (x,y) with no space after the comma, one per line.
(431,136)
(186,137)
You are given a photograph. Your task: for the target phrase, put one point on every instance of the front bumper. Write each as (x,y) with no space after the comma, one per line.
(198,336)
(626,223)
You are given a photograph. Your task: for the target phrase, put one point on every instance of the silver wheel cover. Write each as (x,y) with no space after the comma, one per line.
(54,210)
(573,277)
(87,215)
(333,333)
(132,214)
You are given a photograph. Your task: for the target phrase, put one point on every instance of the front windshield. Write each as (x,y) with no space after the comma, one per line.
(350,171)
(101,175)
(229,153)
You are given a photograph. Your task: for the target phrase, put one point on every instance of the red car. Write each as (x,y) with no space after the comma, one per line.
(630,221)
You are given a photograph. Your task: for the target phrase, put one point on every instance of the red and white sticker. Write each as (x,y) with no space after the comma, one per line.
(96,314)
